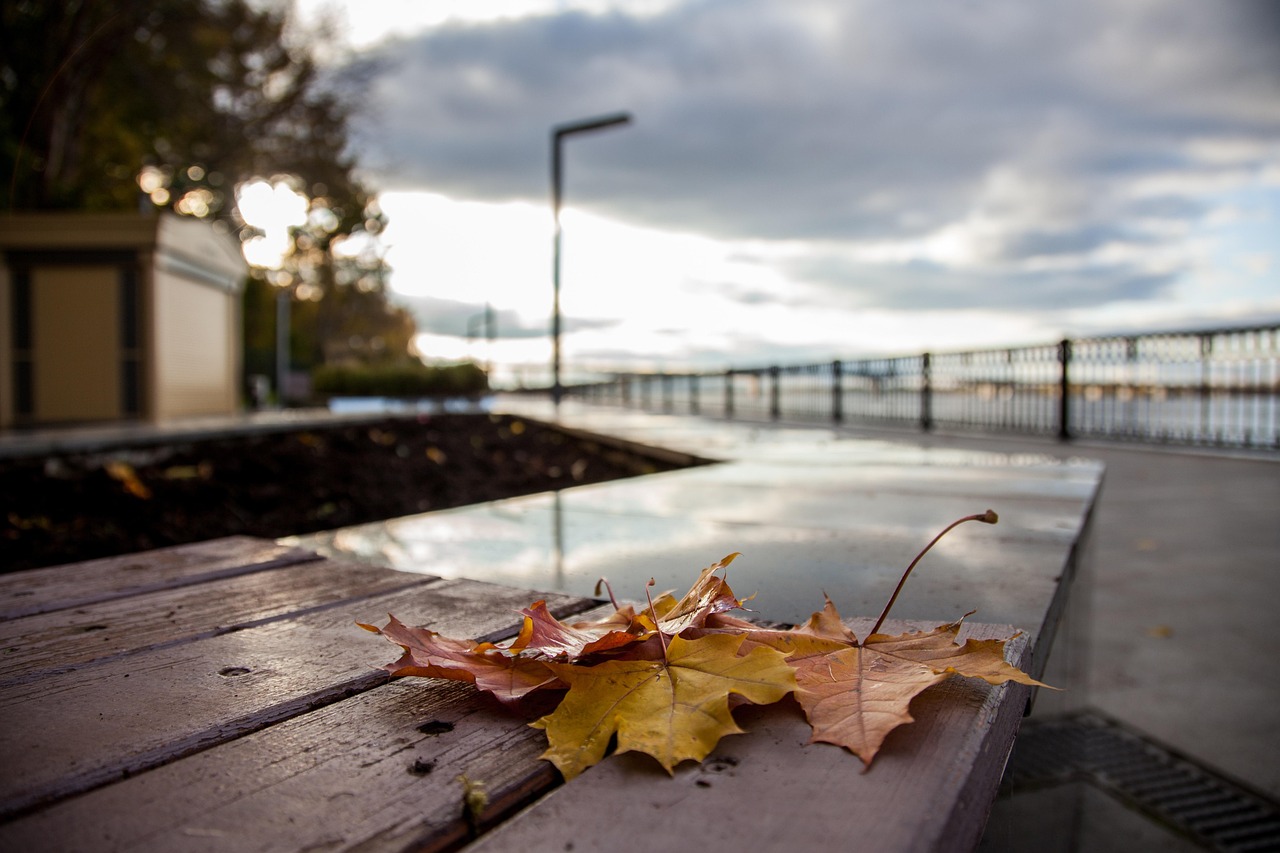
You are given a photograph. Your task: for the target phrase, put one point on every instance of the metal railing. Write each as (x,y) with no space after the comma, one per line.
(1218,387)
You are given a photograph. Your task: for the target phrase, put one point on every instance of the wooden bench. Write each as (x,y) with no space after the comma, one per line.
(219,696)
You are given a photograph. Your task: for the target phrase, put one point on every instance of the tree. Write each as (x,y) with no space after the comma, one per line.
(106,105)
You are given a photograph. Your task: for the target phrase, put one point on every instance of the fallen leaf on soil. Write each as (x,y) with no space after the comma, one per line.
(124,474)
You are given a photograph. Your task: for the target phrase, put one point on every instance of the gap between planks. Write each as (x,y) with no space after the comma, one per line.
(71,733)
(35,591)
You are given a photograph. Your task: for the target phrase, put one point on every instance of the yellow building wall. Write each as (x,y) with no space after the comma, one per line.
(194,366)
(186,357)
(76,343)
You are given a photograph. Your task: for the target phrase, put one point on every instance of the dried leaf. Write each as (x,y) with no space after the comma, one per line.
(124,474)
(671,709)
(855,696)
(541,633)
(826,623)
(673,700)
(709,595)
(427,653)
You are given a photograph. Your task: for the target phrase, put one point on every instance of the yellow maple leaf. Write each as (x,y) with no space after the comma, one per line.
(672,709)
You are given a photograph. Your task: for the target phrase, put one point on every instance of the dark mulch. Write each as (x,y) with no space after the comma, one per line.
(71,507)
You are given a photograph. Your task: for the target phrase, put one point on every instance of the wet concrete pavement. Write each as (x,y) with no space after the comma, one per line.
(1170,630)
(1186,573)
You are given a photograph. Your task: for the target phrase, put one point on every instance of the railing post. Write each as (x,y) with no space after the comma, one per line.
(837,391)
(1064,391)
(728,393)
(775,396)
(695,405)
(667,402)
(1205,391)
(926,392)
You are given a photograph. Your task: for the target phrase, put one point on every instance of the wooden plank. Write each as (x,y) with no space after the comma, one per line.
(77,584)
(72,732)
(378,771)
(66,639)
(930,788)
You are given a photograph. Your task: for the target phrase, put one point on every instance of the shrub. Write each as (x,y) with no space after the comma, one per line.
(400,380)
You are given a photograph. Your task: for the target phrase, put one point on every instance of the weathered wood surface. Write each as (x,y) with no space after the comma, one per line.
(67,638)
(60,587)
(378,771)
(930,787)
(232,704)
(71,732)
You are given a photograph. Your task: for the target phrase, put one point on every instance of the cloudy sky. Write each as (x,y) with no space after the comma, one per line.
(813,179)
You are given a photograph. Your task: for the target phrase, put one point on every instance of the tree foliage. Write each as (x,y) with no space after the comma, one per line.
(177,103)
(208,93)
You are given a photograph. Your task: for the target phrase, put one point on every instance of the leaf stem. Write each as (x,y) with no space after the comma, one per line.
(654,613)
(988,517)
(603,582)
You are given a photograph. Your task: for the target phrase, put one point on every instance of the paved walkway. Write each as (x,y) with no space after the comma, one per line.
(1179,639)
(1182,642)
(1177,629)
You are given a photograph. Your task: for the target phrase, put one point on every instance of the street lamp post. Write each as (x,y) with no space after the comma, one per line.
(282,342)
(284,300)
(558,134)
(489,321)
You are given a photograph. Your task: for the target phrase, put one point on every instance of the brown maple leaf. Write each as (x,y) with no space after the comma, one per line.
(709,595)
(855,696)
(673,699)
(543,634)
(429,654)
(672,709)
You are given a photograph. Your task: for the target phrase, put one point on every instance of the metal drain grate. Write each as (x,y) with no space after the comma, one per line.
(1171,789)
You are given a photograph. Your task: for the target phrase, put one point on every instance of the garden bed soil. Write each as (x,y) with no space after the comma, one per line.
(78,506)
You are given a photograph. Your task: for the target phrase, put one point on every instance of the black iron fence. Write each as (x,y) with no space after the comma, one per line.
(1210,387)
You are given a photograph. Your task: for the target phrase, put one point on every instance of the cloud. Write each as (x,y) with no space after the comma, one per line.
(821,119)
(738,293)
(975,154)
(454,318)
(840,283)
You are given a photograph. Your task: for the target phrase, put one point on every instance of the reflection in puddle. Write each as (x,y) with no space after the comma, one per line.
(841,517)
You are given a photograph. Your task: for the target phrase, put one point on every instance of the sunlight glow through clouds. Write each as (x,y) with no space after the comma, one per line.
(652,293)
(367,23)
(977,210)
(624,278)
(662,300)
(473,251)
(274,209)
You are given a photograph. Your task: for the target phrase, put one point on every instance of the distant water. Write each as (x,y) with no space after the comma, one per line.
(1219,417)
(400,406)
